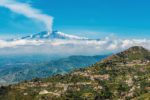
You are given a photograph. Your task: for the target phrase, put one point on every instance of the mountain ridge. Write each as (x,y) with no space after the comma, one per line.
(53,35)
(139,52)
(27,70)
(116,78)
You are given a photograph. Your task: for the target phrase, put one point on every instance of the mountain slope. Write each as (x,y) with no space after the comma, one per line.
(26,70)
(54,35)
(133,53)
(124,76)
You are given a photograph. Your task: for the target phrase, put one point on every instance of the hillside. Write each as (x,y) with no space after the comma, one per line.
(124,76)
(17,69)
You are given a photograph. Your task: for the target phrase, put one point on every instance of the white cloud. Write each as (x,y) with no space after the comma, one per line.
(28,11)
(71,47)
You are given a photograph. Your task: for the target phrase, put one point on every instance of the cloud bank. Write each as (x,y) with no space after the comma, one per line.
(71,47)
(28,11)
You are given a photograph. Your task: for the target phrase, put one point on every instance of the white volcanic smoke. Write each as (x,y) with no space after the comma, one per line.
(28,11)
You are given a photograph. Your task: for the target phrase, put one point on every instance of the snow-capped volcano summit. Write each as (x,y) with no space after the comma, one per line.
(53,35)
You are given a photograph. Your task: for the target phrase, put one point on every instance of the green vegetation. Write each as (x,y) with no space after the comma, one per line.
(124,76)
(16,69)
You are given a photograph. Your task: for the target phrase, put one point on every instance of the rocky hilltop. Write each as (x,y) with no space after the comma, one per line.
(123,76)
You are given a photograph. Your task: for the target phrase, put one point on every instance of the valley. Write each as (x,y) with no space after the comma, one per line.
(19,68)
(125,76)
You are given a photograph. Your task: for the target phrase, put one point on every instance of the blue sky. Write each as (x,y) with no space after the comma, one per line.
(90,18)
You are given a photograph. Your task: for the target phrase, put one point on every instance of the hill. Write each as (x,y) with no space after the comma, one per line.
(16,69)
(124,76)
